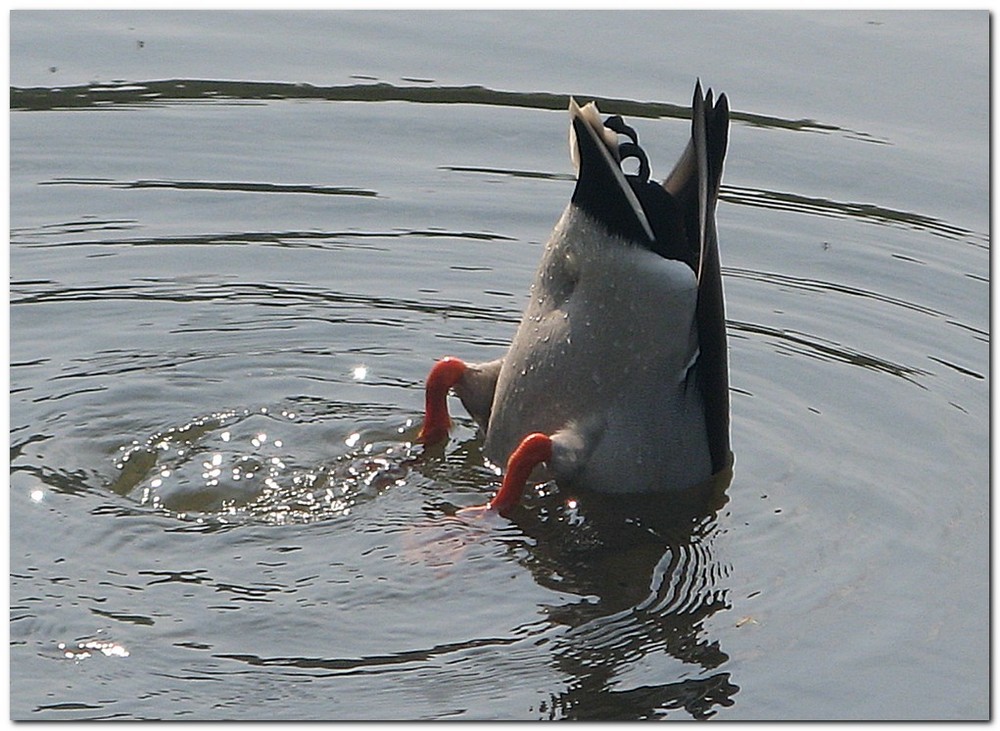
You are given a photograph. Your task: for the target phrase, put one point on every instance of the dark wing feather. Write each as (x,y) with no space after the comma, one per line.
(695,182)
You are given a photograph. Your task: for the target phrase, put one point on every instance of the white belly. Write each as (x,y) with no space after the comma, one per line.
(605,345)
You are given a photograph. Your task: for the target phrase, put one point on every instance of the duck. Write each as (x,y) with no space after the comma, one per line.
(617,378)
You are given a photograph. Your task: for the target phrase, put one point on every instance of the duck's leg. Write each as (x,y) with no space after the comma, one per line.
(533,450)
(563,452)
(444,376)
(474,384)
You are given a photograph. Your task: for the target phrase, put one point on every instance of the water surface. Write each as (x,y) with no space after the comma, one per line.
(239,241)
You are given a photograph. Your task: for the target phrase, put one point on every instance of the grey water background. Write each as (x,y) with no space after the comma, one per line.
(239,241)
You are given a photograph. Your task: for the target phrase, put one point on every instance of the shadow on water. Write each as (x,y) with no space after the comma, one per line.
(648,580)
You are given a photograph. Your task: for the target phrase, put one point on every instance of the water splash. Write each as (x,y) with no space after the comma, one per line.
(240,466)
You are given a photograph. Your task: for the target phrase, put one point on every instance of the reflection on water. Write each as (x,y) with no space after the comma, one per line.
(240,187)
(647,579)
(188,90)
(289,239)
(212,290)
(815,347)
(781,201)
(815,285)
(531,174)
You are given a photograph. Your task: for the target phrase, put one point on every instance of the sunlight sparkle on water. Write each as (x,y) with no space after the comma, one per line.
(37,495)
(83,649)
(360,373)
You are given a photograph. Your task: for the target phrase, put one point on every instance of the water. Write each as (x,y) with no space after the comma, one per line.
(238,242)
